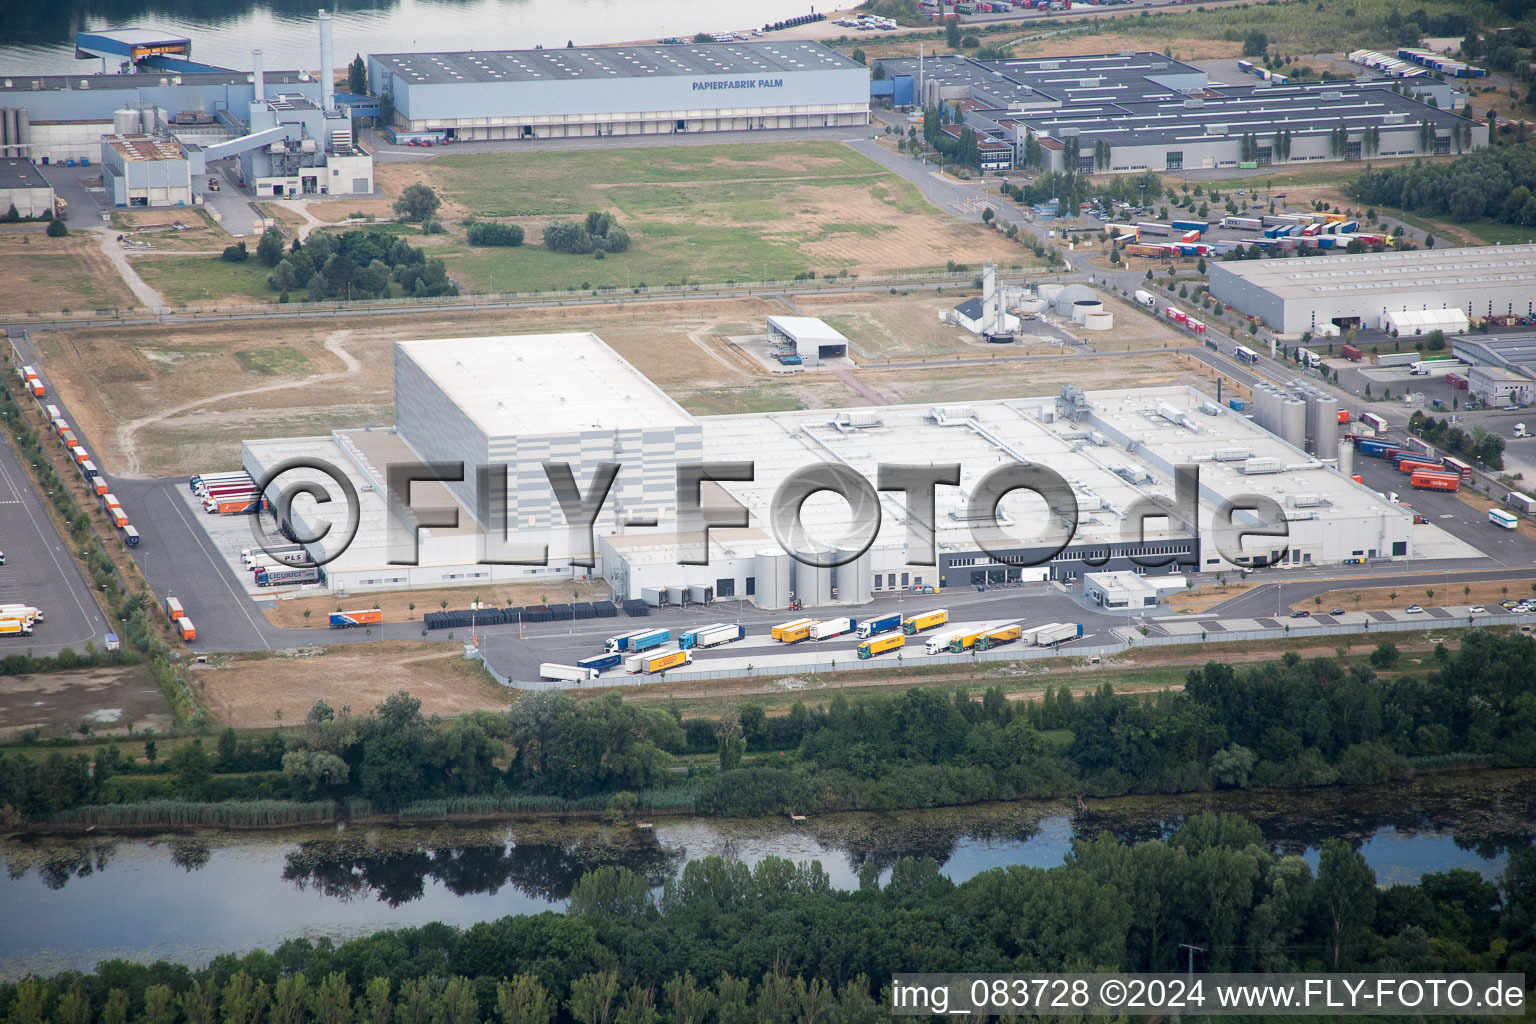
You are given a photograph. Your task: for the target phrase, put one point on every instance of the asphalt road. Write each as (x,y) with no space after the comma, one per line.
(40,571)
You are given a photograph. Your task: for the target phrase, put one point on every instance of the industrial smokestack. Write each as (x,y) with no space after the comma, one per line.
(258,76)
(327,65)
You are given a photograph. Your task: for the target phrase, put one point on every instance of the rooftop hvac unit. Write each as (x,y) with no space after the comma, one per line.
(1332,95)
(1193,103)
(1393,118)
(1049,65)
(1210,408)
(1232,454)
(1070,133)
(1089,503)
(1258,467)
(1304,500)
(1089,83)
(857,420)
(1171,413)
(1215,129)
(1132,474)
(1098,439)
(1127,53)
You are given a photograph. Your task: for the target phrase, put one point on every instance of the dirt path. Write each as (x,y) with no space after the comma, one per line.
(127,432)
(114,252)
(310,220)
(842,374)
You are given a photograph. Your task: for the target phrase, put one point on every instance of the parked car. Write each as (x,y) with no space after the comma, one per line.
(1301,613)
(1337,611)
(1478,609)
(1413,609)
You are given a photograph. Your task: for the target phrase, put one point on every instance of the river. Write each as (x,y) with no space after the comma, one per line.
(39,37)
(189,896)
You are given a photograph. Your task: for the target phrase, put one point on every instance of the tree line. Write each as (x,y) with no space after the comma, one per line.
(1292,722)
(775,943)
(1494,182)
(351,265)
(1477,444)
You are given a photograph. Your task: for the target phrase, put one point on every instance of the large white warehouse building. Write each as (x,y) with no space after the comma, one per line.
(656,89)
(517,403)
(1295,295)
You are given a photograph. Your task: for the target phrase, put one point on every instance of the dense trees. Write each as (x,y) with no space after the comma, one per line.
(729,943)
(600,232)
(1477,444)
(417,202)
(1285,724)
(491,233)
(1494,182)
(358,265)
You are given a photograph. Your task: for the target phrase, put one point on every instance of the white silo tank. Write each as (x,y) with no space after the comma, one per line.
(1346,458)
(813,584)
(1293,422)
(771,571)
(1100,321)
(125,121)
(854,583)
(1082,307)
(1325,432)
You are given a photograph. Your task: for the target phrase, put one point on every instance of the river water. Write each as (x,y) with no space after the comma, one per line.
(38,37)
(188,896)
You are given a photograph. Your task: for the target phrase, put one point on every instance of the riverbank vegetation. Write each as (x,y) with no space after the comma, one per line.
(728,943)
(1286,724)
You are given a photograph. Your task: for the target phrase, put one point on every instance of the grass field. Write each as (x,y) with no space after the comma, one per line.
(706,214)
(50,275)
(187,280)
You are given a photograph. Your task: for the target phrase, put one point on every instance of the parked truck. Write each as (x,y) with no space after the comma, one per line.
(969,637)
(15,627)
(640,640)
(186,629)
(21,611)
(1146,299)
(927,620)
(361,617)
(600,663)
(711,636)
(131,536)
(880,624)
(118,516)
(801,628)
(938,643)
(656,661)
(826,629)
(569,673)
(999,637)
(270,577)
(246,506)
(1428,480)
(173,609)
(1056,633)
(881,645)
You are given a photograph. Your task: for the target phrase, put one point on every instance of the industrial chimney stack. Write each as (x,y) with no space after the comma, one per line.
(327,65)
(258,76)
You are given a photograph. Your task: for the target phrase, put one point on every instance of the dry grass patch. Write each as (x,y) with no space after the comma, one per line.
(1378,599)
(250,692)
(396,605)
(48,275)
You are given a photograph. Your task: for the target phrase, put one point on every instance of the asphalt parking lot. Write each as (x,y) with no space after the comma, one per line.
(39,571)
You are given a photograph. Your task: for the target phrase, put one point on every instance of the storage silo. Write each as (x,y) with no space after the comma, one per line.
(1325,431)
(1346,458)
(125,121)
(1293,422)
(813,584)
(8,133)
(1265,404)
(771,572)
(1100,321)
(854,584)
(1082,307)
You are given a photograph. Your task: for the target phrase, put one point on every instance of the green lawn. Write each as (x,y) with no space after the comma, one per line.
(187,280)
(1335,26)
(278,360)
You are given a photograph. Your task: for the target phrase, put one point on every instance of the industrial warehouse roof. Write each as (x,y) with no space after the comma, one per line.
(144,80)
(1515,352)
(544,384)
(1418,270)
(604,62)
(128,42)
(21,174)
(1134,99)
(145,147)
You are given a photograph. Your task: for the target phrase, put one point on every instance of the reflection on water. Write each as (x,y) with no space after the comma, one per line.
(188,896)
(38,37)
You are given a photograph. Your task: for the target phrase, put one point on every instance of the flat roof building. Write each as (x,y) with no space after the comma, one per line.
(813,338)
(23,186)
(622,90)
(1295,295)
(516,404)
(1130,112)
(145,170)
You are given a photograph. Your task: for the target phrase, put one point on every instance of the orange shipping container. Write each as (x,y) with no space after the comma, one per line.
(188,631)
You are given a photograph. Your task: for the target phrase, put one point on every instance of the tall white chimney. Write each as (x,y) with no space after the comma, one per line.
(258,76)
(327,65)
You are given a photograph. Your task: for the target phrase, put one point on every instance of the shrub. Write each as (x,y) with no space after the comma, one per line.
(57,229)
(494,234)
(236,253)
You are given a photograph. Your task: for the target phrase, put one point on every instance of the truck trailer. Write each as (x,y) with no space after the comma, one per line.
(21,611)
(826,629)
(927,620)
(186,629)
(1055,633)
(600,663)
(999,637)
(639,640)
(173,609)
(879,624)
(711,636)
(1428,480)
(798,628)
(656,661)
(569,673)
(269,577)
(15,627)
(362,617)
(881,645)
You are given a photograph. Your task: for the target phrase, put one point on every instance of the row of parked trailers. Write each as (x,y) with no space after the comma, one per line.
(179,619)
(1425,472)
(89,473)
(228,494)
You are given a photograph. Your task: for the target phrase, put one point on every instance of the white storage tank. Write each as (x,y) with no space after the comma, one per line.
(854,583)
(1082,307)
(1099,321)
(1293,422)
(1346,458)
(1325,432)
(813,584)
(771,572)
(125,121)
